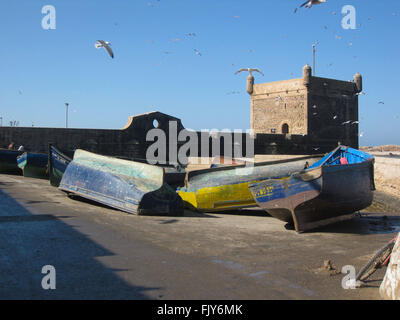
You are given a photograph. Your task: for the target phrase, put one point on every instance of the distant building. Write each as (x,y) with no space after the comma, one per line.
(326,110)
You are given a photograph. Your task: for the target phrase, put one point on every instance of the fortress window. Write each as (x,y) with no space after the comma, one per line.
(285,128)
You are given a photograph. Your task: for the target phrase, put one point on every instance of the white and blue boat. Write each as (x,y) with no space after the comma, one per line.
(130,186)
(330,190)
(58,162)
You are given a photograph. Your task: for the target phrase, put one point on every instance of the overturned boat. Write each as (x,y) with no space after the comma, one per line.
(330,190)
(8,161)
(227,187)
(34,165)
(58,162)
(129,186)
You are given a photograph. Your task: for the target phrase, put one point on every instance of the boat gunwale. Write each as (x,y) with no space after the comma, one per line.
(191,174)
(116,160)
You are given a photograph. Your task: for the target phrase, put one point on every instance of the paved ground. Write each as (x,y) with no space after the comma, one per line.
(104,253)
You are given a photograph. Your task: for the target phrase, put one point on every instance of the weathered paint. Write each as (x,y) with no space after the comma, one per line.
(58,163)
(33,165)
(288,192)
(8,161)
(227,187)
(129,186)
(324,193)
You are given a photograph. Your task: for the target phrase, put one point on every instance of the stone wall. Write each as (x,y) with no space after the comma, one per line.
(332,103)
(278,103)
(128,142)
(313,106)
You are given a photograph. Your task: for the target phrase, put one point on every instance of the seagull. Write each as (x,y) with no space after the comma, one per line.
(381,102)
(106,45)
(197,52)
(346,122)
(250,71)
(354,122)
(359,93)
(309,3)
(233,92)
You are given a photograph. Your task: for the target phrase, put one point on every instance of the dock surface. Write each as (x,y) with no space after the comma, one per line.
(102,253)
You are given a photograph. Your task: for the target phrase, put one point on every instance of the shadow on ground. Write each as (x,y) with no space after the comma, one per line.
(370,223)
(30,241)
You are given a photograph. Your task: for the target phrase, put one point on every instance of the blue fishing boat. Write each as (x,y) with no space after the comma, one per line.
(58,162)
(8,161)
(226,187)
(129,186)
(328,191)
(33,165)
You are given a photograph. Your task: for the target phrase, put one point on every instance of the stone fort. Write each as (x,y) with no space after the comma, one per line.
(307,115)
(312,106)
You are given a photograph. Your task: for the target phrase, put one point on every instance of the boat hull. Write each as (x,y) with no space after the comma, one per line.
(58,163)
(34,165)
(125,185)
(227,188)
(336,194)
(8,161)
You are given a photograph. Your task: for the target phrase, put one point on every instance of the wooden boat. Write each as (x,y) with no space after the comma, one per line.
(58,162)
(227,187)
(8,161)
(174,176)
(129,186)
(330,190)
(33,165)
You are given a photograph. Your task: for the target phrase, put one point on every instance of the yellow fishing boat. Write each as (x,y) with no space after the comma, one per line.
(227,187)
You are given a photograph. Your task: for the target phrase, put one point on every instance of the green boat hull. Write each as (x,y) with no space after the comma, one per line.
(33,165)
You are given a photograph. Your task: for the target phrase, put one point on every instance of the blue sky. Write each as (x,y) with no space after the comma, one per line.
(41,69)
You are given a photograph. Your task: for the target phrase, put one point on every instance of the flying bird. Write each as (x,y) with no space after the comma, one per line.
(106,45)
(309,3)
(197,52)
(250,70)
(359,93)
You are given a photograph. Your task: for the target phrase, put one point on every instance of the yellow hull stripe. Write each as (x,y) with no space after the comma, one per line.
(226,197)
